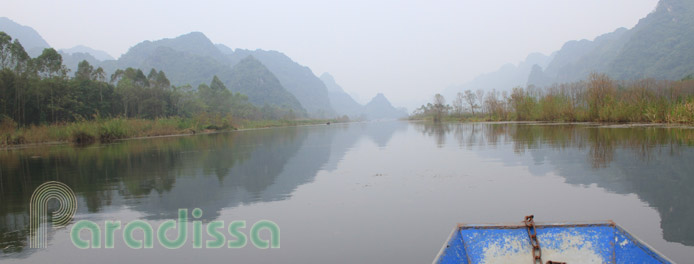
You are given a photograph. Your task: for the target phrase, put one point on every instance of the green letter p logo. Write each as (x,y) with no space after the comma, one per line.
(38,210)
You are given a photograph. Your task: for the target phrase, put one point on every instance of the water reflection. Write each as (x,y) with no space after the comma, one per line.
(158,176)
(652,162)
(155,177)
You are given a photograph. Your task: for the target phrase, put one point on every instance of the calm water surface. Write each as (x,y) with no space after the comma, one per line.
(385,192)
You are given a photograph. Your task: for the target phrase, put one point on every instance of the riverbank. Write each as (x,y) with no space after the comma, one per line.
(587,123)
(683,121)
(113,129)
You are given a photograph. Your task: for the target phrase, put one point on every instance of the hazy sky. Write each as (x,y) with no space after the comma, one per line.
(408,50)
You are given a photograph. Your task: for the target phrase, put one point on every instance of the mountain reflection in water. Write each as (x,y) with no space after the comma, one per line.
(216,172)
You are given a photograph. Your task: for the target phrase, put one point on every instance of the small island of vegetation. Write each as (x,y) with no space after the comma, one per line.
(599,99)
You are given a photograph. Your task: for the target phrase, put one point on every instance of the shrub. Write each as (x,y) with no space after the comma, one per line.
(682,112)
(113,129)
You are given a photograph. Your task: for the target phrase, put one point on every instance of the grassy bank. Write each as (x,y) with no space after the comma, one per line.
(112,129)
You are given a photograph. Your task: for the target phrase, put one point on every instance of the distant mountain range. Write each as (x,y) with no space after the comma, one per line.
(192,58)
(266,77)
(505,78)
(378,108)
(32,42)
(339,99)
(660,46)
(97,54)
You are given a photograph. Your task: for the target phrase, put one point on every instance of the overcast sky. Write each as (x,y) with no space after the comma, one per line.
(408,50)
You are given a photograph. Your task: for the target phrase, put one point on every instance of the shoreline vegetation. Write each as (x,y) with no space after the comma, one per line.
(115,129)
(41,103)
(599,99)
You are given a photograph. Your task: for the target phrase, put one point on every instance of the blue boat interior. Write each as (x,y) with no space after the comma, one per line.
(599,242)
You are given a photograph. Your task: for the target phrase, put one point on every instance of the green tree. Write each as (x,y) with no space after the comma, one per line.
(601,91)
(216,96)
(84,71)
(49,64)
(522,104)
(5,55)
(20,59)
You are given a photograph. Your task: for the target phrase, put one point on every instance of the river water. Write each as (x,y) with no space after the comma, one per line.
(385,192)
